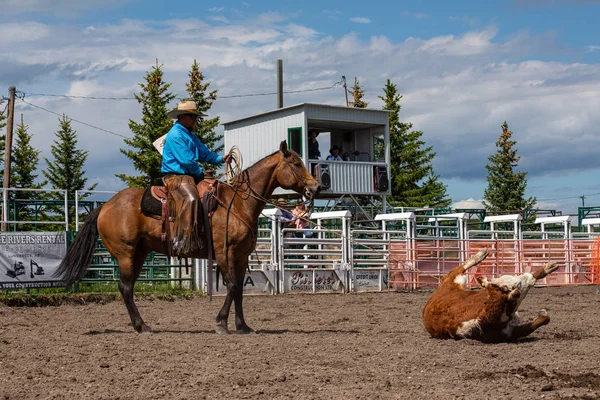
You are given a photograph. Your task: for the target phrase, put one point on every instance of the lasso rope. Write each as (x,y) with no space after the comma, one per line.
(235,168)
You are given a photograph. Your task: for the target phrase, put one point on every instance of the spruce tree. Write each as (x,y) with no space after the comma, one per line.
(66,171)
(154,98)
(24,163)
(413,181)
(506,188)
(205,128)
(357,95)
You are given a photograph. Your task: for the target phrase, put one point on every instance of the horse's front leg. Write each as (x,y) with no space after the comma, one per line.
(223,315)
(240,323)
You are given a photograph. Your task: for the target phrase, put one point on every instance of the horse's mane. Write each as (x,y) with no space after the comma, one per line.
(267,156)
(261,160)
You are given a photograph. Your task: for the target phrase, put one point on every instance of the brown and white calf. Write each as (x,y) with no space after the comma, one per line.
(488,315)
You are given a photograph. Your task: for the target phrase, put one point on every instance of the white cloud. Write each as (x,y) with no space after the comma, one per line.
(471,43)
(458,89)
(421,16)
(469,203)
(15,33)
(361,20)
(593,48)
(216,9)
(219,18)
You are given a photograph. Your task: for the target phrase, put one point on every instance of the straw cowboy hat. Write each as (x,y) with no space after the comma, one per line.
(185,107)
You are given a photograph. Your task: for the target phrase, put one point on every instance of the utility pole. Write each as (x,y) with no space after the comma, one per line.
(279,83)
(582,197)
(345,89)
(8,151)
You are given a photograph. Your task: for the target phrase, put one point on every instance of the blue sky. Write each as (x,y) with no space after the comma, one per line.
(463,68)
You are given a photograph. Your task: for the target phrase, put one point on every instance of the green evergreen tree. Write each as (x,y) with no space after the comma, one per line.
(357,95)
(205,128)
(506,188)
(154,98)
(24,163)
(413,181)
(66,171)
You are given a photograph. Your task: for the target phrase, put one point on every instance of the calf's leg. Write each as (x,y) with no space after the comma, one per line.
(545,271)
(526,329)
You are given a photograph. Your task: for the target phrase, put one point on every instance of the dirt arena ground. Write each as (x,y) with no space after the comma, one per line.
(367,346)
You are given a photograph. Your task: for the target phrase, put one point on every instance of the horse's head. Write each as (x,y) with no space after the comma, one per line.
(291,174)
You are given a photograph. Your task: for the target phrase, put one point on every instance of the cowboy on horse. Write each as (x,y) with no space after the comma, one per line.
(181,154)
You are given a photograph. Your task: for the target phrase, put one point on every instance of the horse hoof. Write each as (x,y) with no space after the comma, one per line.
(245,331)
(144,329)
(221,330)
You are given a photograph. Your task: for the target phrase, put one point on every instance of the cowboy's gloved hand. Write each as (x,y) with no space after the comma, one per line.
(227,158)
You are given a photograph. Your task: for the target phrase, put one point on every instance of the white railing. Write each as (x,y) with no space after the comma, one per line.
(351,177)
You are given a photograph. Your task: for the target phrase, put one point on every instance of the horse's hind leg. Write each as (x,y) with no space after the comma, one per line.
(526,329)
(129,269)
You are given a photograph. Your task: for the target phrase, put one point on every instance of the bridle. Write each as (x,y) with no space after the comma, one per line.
(245,179)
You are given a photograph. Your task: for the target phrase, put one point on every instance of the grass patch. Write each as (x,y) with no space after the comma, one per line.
(93,293)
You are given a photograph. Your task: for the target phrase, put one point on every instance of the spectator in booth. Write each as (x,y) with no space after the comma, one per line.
(334,153)
(313,150)
(346,156)
(313,145)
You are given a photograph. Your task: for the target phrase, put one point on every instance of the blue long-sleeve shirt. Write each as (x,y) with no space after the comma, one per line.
(183,150)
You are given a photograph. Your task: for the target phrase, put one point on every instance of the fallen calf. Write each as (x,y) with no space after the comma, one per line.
(488,315)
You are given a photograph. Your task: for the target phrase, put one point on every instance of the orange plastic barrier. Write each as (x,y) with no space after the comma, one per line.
(595,262)
(423,262)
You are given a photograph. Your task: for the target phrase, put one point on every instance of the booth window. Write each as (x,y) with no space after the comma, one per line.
(295,140)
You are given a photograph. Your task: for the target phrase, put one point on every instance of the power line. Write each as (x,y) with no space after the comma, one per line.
(569,197)
(72,119)
(78,97)
(21,95)
(219,97)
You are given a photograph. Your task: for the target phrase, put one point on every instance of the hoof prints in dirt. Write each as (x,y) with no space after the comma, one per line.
(569,335)
(545,380)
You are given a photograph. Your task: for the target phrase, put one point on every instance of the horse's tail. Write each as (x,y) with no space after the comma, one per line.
(77,261)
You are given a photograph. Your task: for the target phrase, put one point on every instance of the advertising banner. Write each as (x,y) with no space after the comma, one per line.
(29,259)
(255,282)
(367,279)
(305,280)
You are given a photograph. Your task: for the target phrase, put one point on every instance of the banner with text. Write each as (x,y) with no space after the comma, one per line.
(255,282)
(370,279)
(309,280)
(29,259)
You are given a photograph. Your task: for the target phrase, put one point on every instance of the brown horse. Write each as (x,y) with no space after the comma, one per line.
(129,235)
